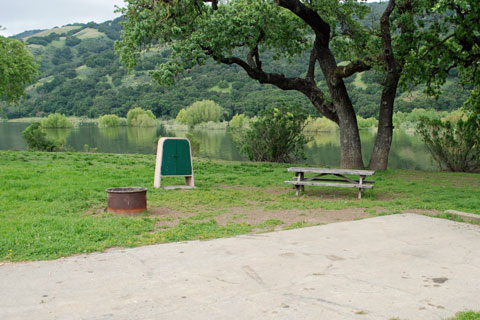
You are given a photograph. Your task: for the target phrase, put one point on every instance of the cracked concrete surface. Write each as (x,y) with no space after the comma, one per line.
(403,266)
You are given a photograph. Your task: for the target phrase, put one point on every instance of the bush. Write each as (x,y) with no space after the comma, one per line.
(56,120)
(137,117)
(276,136)
(200,111)
(37,139)
(366,123)
(320,125)
(195,143)
(237,127)
(181,117)
(455,147)
(409,120)
(110,120)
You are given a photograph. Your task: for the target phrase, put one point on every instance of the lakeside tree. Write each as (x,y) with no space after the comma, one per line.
(200,111)
(449,44)
(17,69)
(330,30)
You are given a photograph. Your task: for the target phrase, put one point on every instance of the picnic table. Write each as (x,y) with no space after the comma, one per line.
(340,178)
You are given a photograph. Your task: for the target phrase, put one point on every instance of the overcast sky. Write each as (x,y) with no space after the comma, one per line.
(21,15)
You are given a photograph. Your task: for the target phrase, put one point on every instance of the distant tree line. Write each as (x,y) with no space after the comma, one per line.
(83,77)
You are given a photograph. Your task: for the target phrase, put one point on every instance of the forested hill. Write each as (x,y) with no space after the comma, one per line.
(81,75)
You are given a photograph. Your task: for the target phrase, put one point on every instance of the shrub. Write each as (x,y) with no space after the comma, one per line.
(200,111)
(276,136)
(181,117)
(409,120)
(37,139)
(455,147)
(320,125)
(237,127)
(110,120)
(56,120)
(366,123)
(195,142)
(137,117)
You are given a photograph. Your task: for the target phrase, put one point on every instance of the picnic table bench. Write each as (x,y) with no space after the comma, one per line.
(340,180)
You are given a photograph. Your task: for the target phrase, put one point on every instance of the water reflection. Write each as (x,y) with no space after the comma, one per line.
(59,134)
(142,136)
(111,133)
(408,151)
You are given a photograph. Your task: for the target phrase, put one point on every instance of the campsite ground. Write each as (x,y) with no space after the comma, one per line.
(53,203)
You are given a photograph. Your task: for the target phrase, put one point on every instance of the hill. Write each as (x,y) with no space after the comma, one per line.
(81,75)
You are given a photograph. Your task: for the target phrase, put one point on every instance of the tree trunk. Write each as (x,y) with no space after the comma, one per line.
(350,146)
(383,142)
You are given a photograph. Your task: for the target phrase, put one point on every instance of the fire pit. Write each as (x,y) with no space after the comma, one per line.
(127,200)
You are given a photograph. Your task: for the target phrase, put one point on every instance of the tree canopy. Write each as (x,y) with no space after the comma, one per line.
(17,69)
(449,44)
(240,31)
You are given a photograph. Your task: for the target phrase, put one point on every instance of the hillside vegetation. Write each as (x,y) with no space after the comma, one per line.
(81,76)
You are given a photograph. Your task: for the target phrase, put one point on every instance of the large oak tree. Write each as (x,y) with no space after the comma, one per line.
(239,31)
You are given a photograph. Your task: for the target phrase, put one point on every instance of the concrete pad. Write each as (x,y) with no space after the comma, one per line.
(404,266)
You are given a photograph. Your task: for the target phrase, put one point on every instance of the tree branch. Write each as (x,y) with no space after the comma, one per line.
(254,53)
(313,93)
(387,38)
(353,67)
(437,45)
(311,65)
(311,17)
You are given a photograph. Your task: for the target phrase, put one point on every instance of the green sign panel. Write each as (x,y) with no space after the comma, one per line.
(176,158)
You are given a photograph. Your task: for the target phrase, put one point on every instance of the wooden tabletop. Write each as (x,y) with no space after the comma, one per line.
(333,171)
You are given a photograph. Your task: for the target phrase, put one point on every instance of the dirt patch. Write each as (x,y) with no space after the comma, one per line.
(346,194)
(423,211)
(258,215)
(271,190)
(167,217)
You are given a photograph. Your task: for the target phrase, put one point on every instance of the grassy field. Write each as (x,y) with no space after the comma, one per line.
(52,204)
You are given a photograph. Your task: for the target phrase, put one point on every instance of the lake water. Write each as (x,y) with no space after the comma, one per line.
(408,151)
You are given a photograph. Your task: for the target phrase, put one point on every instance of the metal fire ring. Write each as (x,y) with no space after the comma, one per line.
(127,200)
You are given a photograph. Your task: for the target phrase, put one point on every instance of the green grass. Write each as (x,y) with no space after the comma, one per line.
(52,203)
(469,315)
(88,33)
(45,33)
